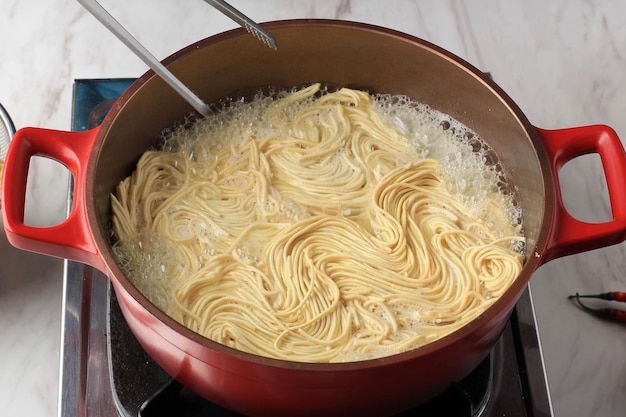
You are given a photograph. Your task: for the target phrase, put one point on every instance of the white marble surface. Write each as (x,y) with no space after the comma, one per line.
(562,61)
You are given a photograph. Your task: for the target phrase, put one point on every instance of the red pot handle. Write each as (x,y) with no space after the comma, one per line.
(569,235)
(71,239)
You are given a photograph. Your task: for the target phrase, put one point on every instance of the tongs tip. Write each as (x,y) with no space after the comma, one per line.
(264,36)
(250,25)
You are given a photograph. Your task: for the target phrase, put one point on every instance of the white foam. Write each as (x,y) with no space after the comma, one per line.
(469,165)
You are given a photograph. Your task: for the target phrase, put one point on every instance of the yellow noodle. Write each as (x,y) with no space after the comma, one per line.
(305,227)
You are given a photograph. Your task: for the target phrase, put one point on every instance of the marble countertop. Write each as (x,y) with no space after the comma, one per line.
(562,61)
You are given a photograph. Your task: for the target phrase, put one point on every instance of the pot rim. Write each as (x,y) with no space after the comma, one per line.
(506,301)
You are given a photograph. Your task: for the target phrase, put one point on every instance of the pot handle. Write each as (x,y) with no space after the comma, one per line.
(72,238)
(569,235)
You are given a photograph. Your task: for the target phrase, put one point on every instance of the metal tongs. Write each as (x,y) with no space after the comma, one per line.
(133,44)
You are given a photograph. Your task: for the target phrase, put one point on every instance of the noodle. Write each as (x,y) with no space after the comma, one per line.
(306,226)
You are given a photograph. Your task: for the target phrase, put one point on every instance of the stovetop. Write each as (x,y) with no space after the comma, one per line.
(106,373)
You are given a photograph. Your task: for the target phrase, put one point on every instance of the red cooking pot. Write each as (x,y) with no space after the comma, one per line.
(342,54)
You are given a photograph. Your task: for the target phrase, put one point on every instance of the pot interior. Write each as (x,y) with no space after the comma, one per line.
(335,53)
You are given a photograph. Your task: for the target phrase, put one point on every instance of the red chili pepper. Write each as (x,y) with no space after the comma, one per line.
(606,313)
(612,296)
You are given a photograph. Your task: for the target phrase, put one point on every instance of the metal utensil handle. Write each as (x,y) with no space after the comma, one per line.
(7,130)
(133,44)
(248,24)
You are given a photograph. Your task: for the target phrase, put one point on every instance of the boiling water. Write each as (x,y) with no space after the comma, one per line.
(469,167)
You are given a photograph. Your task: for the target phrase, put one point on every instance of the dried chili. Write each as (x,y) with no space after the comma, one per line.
(605,313)
(612,296)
